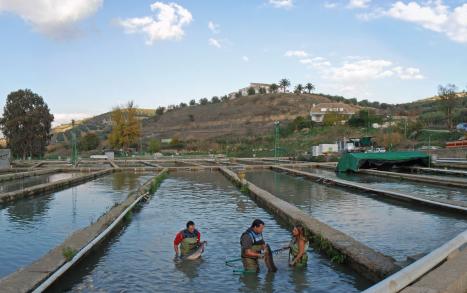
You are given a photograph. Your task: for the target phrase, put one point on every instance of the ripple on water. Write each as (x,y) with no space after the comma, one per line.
(390,227)
(140,259)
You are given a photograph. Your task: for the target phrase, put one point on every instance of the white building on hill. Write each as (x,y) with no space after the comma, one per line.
(318,112)
(256,86)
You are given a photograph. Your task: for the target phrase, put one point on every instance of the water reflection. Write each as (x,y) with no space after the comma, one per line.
(399,185)
(30,227)
(26,182)
(212,203)
(388,226)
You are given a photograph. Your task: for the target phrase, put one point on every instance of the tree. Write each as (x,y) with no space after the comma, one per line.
(154,146)
(251,91)
(191,117)
(160,110)
(299,88)
(192,102)
(203,101)
(182,105)
(448,97)
(125,127)
(225,98)
(309,87)
(273,88)
(90,141)
(215,100)
(262,90)
(26,123)
(364,118)
(284,84)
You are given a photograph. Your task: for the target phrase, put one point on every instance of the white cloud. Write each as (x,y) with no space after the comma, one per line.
(215,43)
(356,68)
(432,15)
(296,53)
(55,18)
(167,23)
(330,5)
(62,118)
(281,3)
(245,58)
(358,3)
(213,27)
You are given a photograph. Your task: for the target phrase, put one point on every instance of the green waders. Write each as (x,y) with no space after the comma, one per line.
(188,246)
(250,264)
(294,251)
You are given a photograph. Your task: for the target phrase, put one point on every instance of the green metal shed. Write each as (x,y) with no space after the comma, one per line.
(356,161)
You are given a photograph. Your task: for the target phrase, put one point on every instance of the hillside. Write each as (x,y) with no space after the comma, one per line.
(100,124)
(248,115)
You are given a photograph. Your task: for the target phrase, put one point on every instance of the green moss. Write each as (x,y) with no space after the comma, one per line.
(128,216)
(69,253)
(244,188)
(322,244)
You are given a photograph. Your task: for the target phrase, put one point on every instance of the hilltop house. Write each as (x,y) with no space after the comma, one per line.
(318,112)
(255,86)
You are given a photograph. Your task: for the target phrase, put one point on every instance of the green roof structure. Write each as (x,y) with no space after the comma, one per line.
(356,161)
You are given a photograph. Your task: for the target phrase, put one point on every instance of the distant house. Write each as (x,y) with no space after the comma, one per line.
(318,112)
(256,86)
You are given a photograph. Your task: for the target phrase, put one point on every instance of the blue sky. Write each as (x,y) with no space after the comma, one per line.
(86,56)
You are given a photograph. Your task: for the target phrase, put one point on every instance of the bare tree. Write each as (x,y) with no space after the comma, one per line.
(449,98)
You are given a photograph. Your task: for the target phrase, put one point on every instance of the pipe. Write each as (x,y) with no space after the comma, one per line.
(411,273)
(58,273)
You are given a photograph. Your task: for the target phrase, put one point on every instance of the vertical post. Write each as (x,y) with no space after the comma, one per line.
(74,148)
(276,139)
(429,150)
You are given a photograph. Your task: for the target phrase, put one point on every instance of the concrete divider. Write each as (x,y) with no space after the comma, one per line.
(449,277)
(20,175)
(51,187)
(368,262)
(43,272)
(455,182)
(449,205)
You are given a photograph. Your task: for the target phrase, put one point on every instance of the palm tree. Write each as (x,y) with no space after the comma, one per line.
(284,84)
(273,88)
(309,87)
(299,88)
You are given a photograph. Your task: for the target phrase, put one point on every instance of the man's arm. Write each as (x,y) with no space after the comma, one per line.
(178,239)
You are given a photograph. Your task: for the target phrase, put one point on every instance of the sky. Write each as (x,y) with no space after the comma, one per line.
(87,56)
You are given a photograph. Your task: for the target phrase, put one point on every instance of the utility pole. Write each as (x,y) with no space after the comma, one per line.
(429,150)
(276,139)
(74,148)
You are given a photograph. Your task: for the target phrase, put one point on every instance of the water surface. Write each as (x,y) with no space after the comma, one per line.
(388,226)
(221,213)
(18,184)
(30,227)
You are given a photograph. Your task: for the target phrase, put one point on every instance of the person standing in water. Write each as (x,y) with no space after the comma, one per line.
(298,247)
(188,239)
(252,243)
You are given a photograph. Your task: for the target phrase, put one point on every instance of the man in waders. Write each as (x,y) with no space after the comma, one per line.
(252,243)
(188,239)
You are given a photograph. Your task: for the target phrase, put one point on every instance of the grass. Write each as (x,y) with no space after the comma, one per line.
(69,253)
(322,244)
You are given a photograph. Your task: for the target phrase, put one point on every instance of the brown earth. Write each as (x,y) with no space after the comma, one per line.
(249,115)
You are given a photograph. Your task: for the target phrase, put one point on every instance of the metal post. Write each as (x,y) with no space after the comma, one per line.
(429,150)
(276,139)
(74,148)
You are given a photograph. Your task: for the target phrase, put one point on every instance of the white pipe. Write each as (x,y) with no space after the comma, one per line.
(52,278)
(411,273)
